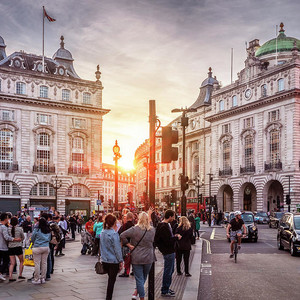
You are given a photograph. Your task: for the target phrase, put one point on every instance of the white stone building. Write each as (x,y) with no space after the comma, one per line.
(50,125)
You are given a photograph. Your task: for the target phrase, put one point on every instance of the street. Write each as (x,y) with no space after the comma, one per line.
(261,272)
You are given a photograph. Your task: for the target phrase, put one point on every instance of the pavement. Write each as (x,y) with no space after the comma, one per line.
(74,278)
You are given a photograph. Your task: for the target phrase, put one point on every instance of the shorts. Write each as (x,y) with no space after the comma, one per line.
(15,251)
(234,233)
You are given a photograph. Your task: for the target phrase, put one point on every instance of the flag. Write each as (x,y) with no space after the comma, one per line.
(47,16)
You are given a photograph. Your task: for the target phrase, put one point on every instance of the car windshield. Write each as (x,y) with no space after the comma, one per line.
(262,214)
(247,218)
(279,215)
(297,222)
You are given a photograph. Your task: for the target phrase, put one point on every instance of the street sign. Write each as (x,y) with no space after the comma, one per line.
(98,202)
(101,207)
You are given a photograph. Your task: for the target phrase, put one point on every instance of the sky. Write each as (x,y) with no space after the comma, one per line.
(146,49)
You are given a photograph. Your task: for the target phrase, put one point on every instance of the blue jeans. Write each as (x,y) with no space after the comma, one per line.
(169,260)
(140,273)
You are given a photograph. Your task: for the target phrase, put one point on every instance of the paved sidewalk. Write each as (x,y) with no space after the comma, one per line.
(74,278)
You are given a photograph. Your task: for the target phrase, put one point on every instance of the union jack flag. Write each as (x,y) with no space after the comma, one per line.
(47,16)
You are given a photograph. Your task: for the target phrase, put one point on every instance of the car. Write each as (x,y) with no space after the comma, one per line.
(275,218)
(288,236)
(261,217)
(252,231)
(226,217)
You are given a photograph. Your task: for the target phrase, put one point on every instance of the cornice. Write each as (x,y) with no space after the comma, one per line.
(258,103)
(52,103)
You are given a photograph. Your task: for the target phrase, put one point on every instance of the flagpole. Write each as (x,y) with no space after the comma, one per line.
(43,39)
(276,45)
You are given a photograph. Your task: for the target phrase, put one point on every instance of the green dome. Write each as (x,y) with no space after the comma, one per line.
(284,43)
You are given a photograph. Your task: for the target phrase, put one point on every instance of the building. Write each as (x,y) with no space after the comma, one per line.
(50,133)
(126,183)
(245,134)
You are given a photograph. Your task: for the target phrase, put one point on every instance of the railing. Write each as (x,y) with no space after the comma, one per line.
(248,169)
(273,166)
(79,171)
(225,172)
(43,168)
(10,167)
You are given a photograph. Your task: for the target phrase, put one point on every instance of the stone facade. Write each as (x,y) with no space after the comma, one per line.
(51,125)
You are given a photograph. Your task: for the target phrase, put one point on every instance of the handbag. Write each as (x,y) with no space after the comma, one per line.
(128,255)
(28,257)
(99,267)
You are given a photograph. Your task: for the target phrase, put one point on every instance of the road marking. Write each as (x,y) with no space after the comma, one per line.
(270,245)
(208,249)
(213,234)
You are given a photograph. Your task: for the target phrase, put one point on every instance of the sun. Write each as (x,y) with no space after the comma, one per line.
(126,164)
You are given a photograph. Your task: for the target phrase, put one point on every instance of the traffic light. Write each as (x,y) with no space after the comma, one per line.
(169,137)
(173,197)
(288,199)
(129,198)
(102,198)
(184,183)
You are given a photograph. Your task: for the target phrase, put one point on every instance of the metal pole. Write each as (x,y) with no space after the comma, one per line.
(98,199)
(183,199)
(116,184)
(289,207)
(43,39)
(209,221)
(147,183)
(152,121)
(198,194)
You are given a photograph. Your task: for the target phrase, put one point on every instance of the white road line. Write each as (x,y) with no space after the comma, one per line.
(270,245)
(213,234)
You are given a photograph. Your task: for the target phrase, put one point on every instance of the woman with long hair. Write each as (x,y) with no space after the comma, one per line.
(40,238)
(141,237)
(111,252)
(15,248)
(197,227)
(183,246)
(98,227)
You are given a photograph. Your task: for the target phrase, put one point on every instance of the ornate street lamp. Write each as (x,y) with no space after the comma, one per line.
(198,185)
(57,183)
(117,156)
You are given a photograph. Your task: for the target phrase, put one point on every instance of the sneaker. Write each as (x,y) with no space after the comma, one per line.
(62,254)
(48,279)
(172,292)
(21,277)
(168,295)
(43,280)
(124,275)
(12,280)
(134,295)
(188,275)
(2,277)
(231,256)
(179,273)
(36,282)
(239,247)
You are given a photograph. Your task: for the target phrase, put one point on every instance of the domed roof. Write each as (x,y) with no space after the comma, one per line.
(2,43)
(284,43)
(63,53)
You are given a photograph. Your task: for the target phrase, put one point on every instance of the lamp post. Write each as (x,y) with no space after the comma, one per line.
(198,186)
(289,194)
(210,179)
(146,165)
(184,122)
(117,156)
(57,183)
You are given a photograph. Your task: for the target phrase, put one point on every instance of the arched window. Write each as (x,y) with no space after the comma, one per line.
(65,95)
(226,156)
(43,153)
(280,84)
(274,146)
(20,88)
(221,105)
(249,152)
(43,189)
(264,90)
(234,101)
(43,91)
(78,191)
(9,188)
(6,149)
(86,98)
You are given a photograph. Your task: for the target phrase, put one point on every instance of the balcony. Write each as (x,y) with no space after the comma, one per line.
(225,172)
(79,171)
(273,166)
(9,167)
(43,169)
(248,169)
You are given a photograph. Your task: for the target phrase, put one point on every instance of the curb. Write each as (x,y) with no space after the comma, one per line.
(192,284)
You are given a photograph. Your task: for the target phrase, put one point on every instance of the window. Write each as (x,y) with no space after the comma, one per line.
(43,91)
(173,180)
(7,115)
(6,149)
(43,153)
(264,90)
(21,88)
(180,162)
(43,119)
(225,128)
(196,166)
(79,123)
(274,115)
(43,189)
(65,95)
(248,151)
(157,183)
(86,98)
(9,188)
(248,122)
(77,155)
(43,139)
(274,146)
(226,155)
(162,182)
(280,85)
(168,181)
(195,146)
(221,105)
(234,101)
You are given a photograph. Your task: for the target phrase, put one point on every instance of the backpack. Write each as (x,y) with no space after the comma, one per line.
(55,234)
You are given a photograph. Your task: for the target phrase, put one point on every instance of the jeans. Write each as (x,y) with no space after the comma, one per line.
(79,228)
(112,270)
(4,261)
(40,255)
(96,246)
(50,261)
(186,257)
(140,273)
(169,260)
